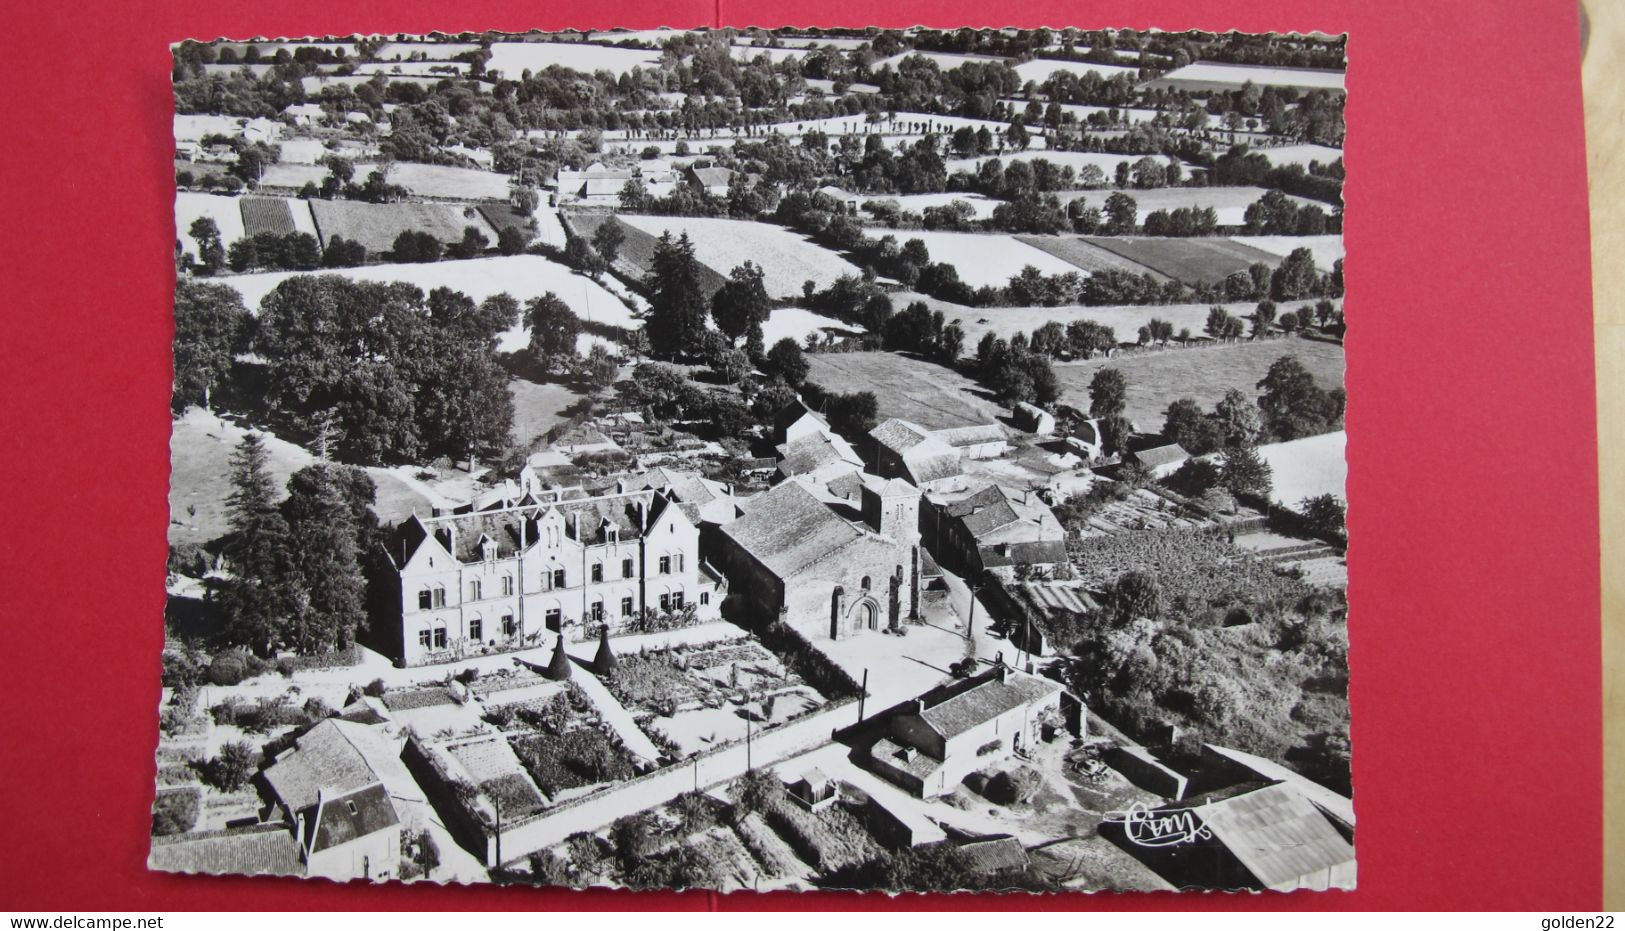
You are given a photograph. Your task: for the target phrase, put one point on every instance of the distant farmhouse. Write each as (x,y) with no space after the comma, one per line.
(911,452)
(550,561)
(952,731)
(993,528)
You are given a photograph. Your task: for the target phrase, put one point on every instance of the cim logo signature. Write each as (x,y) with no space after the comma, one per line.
(1166,828)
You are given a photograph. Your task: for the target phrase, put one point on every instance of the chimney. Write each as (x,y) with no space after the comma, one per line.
(917,706)
(1001,672)
(577,518)
(620,486)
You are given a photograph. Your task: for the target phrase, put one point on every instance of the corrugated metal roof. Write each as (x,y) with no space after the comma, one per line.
(1282,839)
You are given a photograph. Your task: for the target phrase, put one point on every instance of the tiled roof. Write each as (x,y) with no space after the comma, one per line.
(1161,455)
(787,528)
(794,411)
(814,452)
(985,511)
(971,436)
(344,818)
(907,759)
(985,701)
(931,461)
(324,757)
(899,435)
(1282,839)
(710,177)
(264,850)
(1023,553)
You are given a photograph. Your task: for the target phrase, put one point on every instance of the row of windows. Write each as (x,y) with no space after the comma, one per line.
(436,597)
(435,638)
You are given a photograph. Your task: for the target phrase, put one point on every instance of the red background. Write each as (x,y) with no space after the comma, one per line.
(1474,622)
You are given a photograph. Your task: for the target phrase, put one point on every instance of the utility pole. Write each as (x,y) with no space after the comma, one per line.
(863,694)
(748,766)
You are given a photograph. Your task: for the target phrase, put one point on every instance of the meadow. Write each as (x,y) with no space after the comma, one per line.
(1230,203)
(912,389)
(787,259)
(1158,377)
(980,258)
(1326,249)
(1190,260)
(1214,75)
(377,225)
(1077,251)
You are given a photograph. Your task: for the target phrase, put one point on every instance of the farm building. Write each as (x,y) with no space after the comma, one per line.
(330,787)
(713,181)
(904,449)
(1250,836)
(1034,419)
(992,527)
(796,420)
(938,739)
(260,850)
(489,581)
(1160,460)
(798,553)
(822,457)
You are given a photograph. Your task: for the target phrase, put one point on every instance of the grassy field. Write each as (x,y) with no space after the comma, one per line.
(1301,154)
(1105,161)
(1326,249)
(376,225)
(200,448)
(1041,69)
(981,206)
(637,250)
(444,181)
(537,408)
(512,59)
(1308,467)
(1075,250)
(786,258)
(1213,75)
(1125,321)
(796,322)
(1230,203)
(1189,260)
(522,276)
(1159,377)
(980,258)
(910,388)
(223,210)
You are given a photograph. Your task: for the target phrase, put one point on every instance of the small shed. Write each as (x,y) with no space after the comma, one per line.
(814,791)
(1034,419)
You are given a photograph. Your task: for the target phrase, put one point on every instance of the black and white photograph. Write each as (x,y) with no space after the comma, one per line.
(745,459)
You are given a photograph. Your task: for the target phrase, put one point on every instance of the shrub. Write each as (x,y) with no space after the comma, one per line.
(174,811)
(231,769)
(375,688)
(1013,786)
(228,668)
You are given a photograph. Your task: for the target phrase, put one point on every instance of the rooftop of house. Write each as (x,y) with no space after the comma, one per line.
(972,436)
(1277,834)
(340,819)
(1161,455)
(712,177)
(993,694)
(334,756)
(995,507)
(794,411)
(1022,553)
(589,520)
(262,850)
(787,528)
(899,435)
(815,451)
(907,759)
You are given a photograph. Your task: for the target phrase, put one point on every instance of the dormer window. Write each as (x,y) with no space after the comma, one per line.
(488,550)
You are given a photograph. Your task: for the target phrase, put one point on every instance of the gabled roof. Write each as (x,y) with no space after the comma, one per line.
(814,451)
(326,757)
(792,412)
(1023,553)
(787,528)
(985,701)
(344,818)
(1281,838)
(263,850)
(1161,455)
(985,511)
(899,435)
(712,177)
(971,436)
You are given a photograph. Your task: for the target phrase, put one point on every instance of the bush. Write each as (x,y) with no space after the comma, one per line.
(1013,786)
(228,669)
(174,811)
(231,769)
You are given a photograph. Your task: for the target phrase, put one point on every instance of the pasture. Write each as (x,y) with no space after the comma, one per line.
(512,59)
(377,225)
(1077,161)
(1189,260)
(1230,203)
(223,210)
(913,389)
(292,176)
(946,61)
(981,258)
(796,322)
(538,408)
(1308,467)
(1125,321)
(194,126)
(1222,76)
(522,276)
(786,258)
(1326,249)
(1301,154)
(636,255)
(444,181)
(431,51)
(1040,70)
(1158,377)
(981,205)
(1089,258)
(200,449)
